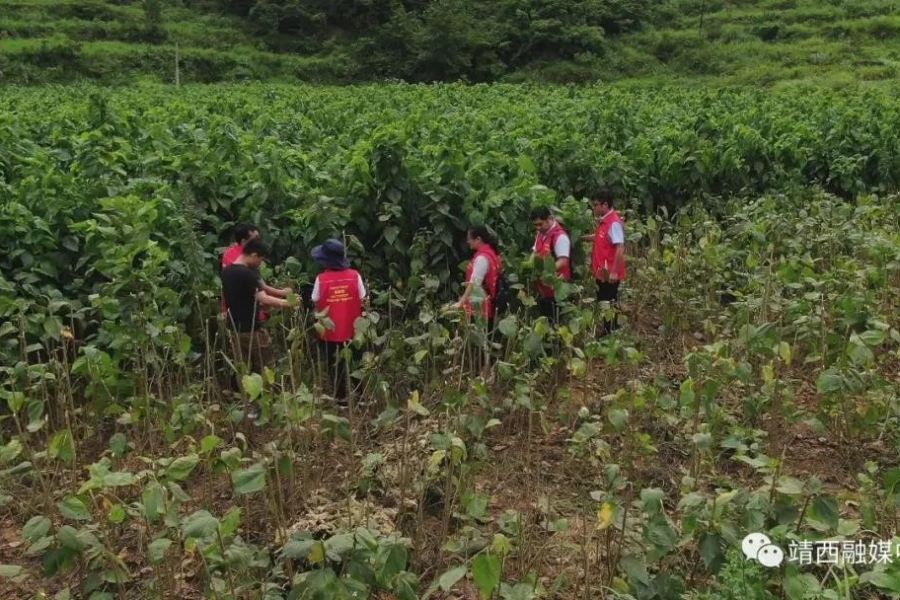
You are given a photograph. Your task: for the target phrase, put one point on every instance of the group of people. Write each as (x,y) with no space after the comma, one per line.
(339,291)
(607,260)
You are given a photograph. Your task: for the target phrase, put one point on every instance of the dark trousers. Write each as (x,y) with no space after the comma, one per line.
(609,292)
(337,369)
(548,308)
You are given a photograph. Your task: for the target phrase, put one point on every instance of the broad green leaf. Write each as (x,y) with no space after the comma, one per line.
(316,553)
(881,580)
(153,500)
(391,560)
(860,354)
(712,552)
(74,508)
(798,585)
(210,443)
(118,444)
(182,467)
(486,572)
(249,480)
(62,446)
(63,594)
(116,513)
(619,419)
(451,577)
(790,486)
(297,549)
(825,509)
(231,521)
(36,528)
(10,451)
(200,524)
(156,551)
(406,586)
(829,381)
(10,571)
(785,352)
(873,337)
(69,538)
(508,326)
(253,385)
(652,499)
(119,479)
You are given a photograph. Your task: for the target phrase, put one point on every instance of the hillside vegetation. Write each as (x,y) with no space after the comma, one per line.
(737,41)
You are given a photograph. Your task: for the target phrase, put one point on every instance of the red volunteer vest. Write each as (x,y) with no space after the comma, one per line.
(604,251)
(544,243)
(490,279)
(339,292)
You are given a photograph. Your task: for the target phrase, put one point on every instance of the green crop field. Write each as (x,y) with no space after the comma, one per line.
(751,388)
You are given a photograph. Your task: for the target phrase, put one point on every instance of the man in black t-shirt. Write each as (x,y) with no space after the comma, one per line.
(244,294)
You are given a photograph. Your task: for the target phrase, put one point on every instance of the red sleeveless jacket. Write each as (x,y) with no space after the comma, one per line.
(339,292)
(604,251)
(544,244)
(490,279)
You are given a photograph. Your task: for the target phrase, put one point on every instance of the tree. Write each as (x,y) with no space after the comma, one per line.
(154,31)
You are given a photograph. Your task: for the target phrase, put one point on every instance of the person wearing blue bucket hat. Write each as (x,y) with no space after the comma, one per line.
(338,293)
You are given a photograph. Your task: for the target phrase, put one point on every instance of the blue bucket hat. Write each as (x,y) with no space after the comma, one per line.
(331,254)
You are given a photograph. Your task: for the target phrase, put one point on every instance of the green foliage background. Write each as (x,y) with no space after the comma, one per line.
(134,192)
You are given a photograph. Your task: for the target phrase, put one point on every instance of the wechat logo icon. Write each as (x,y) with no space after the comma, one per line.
(758,547)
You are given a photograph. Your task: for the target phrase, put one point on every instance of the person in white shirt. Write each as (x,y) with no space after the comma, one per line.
(482,275)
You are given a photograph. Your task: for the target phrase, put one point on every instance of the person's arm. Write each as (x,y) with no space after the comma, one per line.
(562,249)
(316,294)
(479,271)
(617,237)
(360,286)
(264,299)
(466,294)
(277,292)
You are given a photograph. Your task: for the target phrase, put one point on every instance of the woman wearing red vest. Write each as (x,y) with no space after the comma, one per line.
(482,274)
(551,239)
(608,255)
(340,290)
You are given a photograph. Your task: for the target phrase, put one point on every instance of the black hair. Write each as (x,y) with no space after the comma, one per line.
(540,212)
(484,234)
(604,195)
(256,246)
(242,231)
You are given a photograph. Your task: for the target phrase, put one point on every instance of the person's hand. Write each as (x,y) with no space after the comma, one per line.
(292,301)
(613,278)
(456,306)
(287,291)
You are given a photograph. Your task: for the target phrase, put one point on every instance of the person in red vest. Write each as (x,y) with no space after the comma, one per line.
(243,233)
(341,291)
(551,239)
(608,255)
(482,274)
